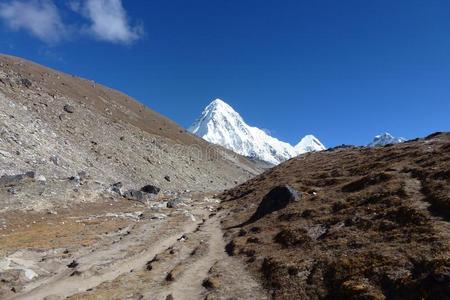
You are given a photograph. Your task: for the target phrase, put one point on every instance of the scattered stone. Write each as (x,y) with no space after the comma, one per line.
(12,191)
(73,264)
(55,160)
(174,203)
(79,178)
(183,238)
(213,297)
(117,187)
(134,195)
(159,216)
(75,273)
(26,83)
(158,205)
(315,232)
(175,273)
(150,189)
(190,216)
(83,175)
(69,108)
(41,179)
(211,283)
(230,248)
(169,297)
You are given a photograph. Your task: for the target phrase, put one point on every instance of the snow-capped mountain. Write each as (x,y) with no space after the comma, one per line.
(309,144)
(385,139)
(220,124)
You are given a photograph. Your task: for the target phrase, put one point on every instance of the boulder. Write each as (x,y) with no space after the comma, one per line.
(173,203)
(69,108)
(278,198)
(117,187)
(134,195)
(150,189)
(167,178)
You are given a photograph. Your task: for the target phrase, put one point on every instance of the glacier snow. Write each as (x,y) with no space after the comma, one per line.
(220,124)
(385,139)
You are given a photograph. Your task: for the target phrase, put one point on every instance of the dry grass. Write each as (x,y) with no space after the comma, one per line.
(371,224)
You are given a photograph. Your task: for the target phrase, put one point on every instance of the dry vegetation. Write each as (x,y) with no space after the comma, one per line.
(370,224)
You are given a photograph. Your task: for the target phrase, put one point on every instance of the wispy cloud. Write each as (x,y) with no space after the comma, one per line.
(108,20)
(41,18)
(105,20)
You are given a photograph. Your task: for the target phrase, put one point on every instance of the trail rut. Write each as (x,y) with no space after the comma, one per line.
(136,265)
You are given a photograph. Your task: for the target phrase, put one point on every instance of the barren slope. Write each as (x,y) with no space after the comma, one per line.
(370,224)
(58,125)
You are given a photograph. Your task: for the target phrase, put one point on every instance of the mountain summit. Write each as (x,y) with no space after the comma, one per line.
(220,124)
(385,139)
(309,144)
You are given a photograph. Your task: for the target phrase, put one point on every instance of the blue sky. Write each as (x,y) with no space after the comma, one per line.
(342,70)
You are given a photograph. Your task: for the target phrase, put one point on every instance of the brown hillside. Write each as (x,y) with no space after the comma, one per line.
(58,125)
(370,223)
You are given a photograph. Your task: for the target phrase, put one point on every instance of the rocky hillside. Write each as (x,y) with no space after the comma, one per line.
(60,126)
(350,223)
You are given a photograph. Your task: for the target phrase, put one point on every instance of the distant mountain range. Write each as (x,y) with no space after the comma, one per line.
(385,139)
(220,124)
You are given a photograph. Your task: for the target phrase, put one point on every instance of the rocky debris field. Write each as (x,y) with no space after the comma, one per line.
(355,223)
(57,125)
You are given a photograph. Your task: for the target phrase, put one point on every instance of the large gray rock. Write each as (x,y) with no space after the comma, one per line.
(150,189)
(278,198)
(134,195)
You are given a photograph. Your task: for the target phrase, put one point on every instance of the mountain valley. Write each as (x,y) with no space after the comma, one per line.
(103,198)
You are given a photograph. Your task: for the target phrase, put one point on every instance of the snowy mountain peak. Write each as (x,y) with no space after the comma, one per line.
(220,106)
(220,124)
(309,144)
(385,139)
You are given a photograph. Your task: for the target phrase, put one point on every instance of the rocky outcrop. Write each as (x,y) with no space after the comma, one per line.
(278,198)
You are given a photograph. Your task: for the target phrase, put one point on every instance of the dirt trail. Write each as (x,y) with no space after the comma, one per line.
(189,286)
(119,267)
(65,285)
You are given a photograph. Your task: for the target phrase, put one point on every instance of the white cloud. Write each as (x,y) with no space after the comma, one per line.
(39,17)
(109,20)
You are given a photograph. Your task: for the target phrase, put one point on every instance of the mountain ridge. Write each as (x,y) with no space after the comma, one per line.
(384,139)
(220,124)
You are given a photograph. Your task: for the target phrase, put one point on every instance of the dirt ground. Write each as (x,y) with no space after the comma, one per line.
(120,249)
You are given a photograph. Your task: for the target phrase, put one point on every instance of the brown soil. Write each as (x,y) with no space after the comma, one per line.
(371,223)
